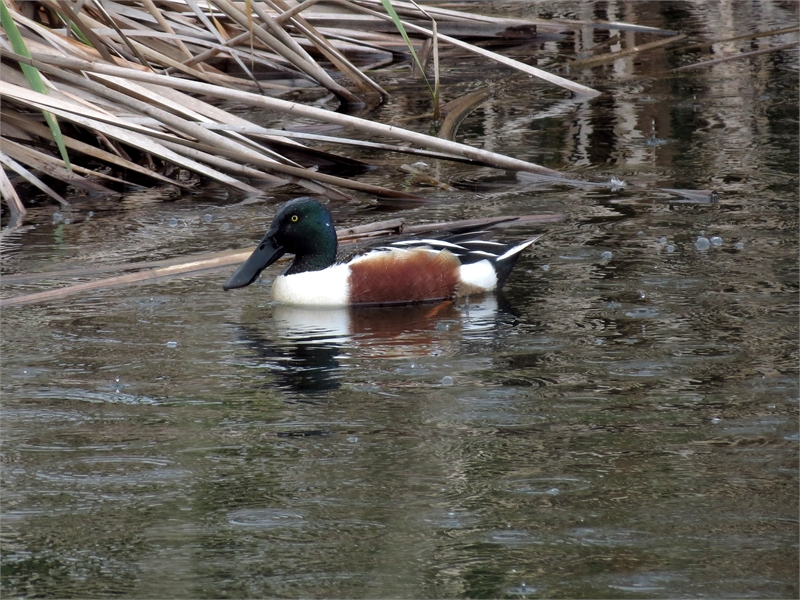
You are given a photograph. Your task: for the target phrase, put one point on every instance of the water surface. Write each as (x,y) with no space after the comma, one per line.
(621,422)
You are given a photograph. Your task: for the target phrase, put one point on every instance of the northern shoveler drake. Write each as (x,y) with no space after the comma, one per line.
(402,272)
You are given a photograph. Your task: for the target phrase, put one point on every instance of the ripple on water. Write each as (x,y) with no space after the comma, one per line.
(499,407)
(642,369)
(450,519)
(644,312)
(113,396)
(523,590)
(643,582)
(513,537)
(41,415)
(266,518)
(292,526)
(113,471)
(29,373)
(546,486)
(590,536)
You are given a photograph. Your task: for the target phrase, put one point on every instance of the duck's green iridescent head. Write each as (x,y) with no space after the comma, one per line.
(303,227)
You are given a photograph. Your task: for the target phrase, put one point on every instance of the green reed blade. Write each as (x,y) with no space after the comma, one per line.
(387,4)
(33,76)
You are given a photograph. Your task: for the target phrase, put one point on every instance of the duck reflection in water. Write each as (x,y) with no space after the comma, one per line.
(307,348)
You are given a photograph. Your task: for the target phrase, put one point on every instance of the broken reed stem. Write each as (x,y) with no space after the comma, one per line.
(9,194)
(749,36)
(603,58)
(288,14)
(708,63)
(212,52)
(282,43)
(356,75)
(457,110)
(158,16)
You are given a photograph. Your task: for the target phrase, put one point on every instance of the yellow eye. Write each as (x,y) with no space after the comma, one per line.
(294,218)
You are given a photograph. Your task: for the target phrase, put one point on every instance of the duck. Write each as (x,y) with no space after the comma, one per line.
(406,271)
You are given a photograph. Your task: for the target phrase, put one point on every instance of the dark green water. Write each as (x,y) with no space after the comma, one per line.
(618,427)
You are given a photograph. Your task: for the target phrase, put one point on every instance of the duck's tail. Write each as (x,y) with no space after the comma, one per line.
(504,263)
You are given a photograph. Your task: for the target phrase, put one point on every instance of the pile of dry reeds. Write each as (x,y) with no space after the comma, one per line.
(97,93)
(94,91)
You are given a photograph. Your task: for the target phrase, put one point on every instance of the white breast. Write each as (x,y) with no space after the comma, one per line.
(328,287)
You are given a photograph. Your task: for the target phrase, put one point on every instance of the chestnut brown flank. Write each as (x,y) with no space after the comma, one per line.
(407,276)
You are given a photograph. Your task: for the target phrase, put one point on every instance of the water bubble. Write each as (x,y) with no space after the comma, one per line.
(90,215)
(172,344)
(716,241)
(173,222)
(208,218)
(545,267)
(670,248)
(116,378)
(352,439)
(606,255)
(663,240)
(702,243)
(640,233)
(715,420)
(739,245)
(225,226)
(447,380)
(67,221)
(57,217)
(702,232)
